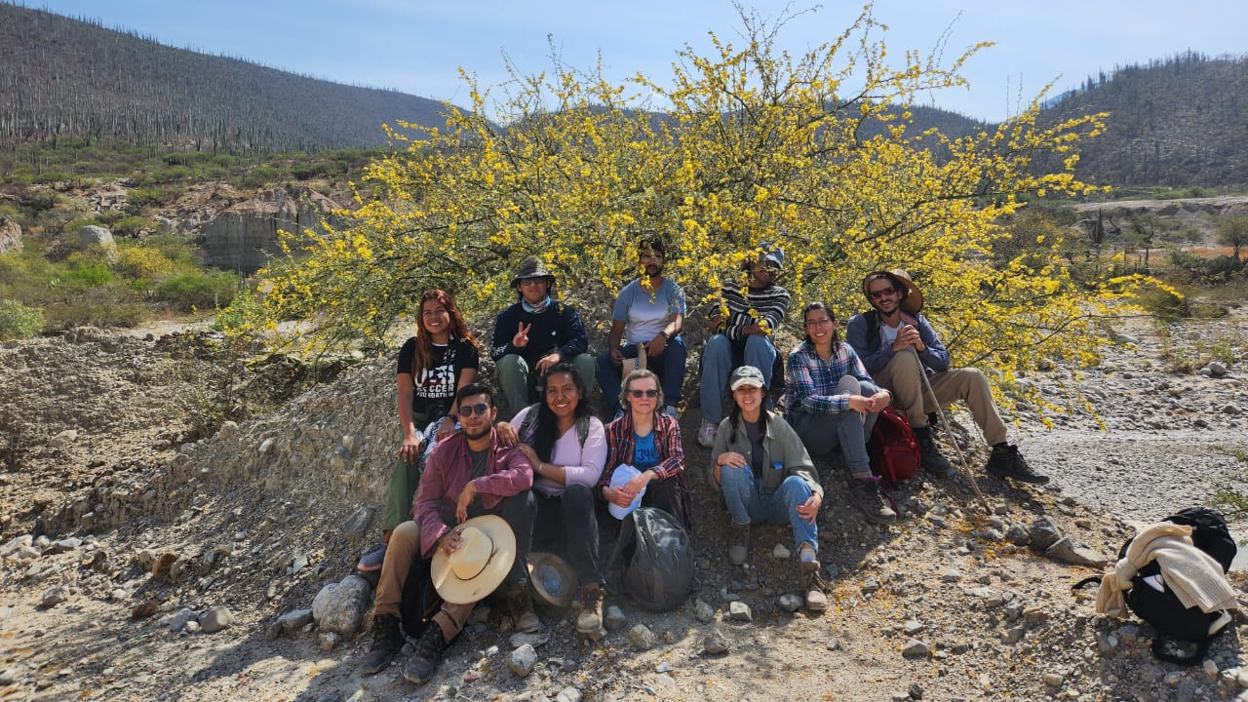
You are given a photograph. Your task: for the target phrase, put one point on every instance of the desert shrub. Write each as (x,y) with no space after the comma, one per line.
(132,225)
(201,290)
(72,226)
(145,197)
(137,262)
(18,321)
(262,175)
(52,177)
(1165,304)
(174,248)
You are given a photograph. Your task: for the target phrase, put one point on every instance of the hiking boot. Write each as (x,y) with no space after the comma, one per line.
(816,599)
(866,496)
(738,544)
(706,433)
(372,560)
(424,661)
(387,641)
(1007,462)
(520,608)
(930,458)
(590,619)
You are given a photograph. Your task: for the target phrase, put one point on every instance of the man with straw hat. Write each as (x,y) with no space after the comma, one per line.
(900,349)
(468,475)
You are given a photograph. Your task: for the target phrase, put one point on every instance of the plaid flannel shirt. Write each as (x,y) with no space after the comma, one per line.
(621,442)
(811,381)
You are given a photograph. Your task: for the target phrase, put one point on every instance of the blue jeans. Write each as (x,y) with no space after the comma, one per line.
(747,504)
(669,366)
(822,433)
(717,367)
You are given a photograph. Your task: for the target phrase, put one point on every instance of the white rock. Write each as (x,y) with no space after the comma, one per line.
(63,439)
(568,694)
(780,552)
(522,660)
(340,606)
(216,619)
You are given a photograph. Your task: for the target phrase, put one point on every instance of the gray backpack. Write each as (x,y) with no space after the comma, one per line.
(653,560)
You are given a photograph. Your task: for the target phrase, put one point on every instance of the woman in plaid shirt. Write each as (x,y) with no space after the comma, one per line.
(649,441)
(833,402)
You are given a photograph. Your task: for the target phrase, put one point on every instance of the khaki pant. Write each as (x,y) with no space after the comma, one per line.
(904,377)
(403,549)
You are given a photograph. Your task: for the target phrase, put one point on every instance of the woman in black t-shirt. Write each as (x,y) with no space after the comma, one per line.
(433,365)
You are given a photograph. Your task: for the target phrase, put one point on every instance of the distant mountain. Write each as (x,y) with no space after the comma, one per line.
(67,79)
(1181,121)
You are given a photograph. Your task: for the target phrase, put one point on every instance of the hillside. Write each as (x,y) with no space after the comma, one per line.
(64,79)
(1179,122)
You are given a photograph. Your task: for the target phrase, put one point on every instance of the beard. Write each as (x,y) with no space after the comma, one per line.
(485,431)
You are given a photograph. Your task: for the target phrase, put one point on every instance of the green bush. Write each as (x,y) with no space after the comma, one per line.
(89,275)
(263,175)
(1164,304)
(190,291)
(133,226)
(18,321)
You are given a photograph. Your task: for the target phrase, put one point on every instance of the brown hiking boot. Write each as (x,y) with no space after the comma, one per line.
(590,619)
(387,641)
(866,496)
(520,609)
(816,588)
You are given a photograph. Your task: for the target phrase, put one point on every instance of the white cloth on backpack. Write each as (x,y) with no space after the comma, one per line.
(620,478)
(1194,576)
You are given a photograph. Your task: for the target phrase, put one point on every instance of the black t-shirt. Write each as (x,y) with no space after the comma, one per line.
(435,386)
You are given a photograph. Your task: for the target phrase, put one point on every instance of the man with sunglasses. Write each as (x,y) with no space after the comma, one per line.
(650,310)
(534,334)
(899,347)
(742,328)
(469,474)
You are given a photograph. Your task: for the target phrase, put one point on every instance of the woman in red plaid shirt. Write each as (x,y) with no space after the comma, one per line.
(649,441)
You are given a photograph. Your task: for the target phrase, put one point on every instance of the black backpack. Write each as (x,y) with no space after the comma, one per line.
(420,600)
(653,560)
(1182,632)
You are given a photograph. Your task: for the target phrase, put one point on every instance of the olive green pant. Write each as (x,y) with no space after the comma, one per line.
(404,480)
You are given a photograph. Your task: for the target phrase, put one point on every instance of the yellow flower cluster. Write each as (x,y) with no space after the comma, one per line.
(752,144)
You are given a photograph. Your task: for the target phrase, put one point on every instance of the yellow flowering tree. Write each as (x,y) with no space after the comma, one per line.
(815,151)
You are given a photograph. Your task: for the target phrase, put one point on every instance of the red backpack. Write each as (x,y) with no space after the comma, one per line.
(892,447)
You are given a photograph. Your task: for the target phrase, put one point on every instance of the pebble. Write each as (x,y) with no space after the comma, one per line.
(833,644)
(703,611)
(177,620)
(740,612)
(951,575)
(216,619)
(916,691)
(614,618)
(63,439)
(780,552)
(55,596)
(534,639)
(328,640)
(790,602)
(568,694)
(522,660)
(716,643)
(913,628)
(1053,679)
(915,648)
(1044,533)
(642,638)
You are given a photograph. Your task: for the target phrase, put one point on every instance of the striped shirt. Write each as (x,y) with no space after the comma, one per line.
(770,302)
(810,381)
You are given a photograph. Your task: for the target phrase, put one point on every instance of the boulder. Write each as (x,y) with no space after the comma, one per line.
(339,607)
(10,236)
(96,237)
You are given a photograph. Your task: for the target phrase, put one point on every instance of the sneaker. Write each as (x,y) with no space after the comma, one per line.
(520,607)
(672,411)
(931,460)
(1007,462)
(816,588)
(706,433)
(372,560)
(387,641)
(590,619)
(738,544)
(424,661)
(865,494)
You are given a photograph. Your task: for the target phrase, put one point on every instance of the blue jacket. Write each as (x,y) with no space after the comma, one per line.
(864,335)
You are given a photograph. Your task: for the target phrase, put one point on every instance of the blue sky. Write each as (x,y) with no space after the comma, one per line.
(417,46)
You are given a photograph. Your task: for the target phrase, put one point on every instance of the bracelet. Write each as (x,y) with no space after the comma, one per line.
(663,333)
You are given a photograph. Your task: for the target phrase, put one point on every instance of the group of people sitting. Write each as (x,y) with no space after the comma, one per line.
(552,469)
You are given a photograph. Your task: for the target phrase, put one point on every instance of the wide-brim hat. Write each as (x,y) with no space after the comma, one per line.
(553,579)
(485,555)
(913,300)
(532,268)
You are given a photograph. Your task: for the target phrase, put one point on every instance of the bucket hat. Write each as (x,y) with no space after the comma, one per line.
(532,268)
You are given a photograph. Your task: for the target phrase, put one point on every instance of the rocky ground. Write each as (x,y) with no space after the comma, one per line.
(139,563)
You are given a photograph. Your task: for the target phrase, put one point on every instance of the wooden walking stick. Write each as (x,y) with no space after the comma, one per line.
(944,422)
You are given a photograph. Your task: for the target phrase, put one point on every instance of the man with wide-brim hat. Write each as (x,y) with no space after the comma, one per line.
(534,334)
(473,517)
(899,348)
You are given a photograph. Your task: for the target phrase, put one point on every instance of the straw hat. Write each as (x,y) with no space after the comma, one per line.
(553,579)
(912,301)
(486,552)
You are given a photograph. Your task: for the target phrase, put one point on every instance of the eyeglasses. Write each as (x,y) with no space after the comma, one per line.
(467,411)
(638,394)
(884,292)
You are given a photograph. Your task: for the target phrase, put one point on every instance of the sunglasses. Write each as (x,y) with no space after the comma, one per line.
(467,411)
(877,294)
(643,393)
